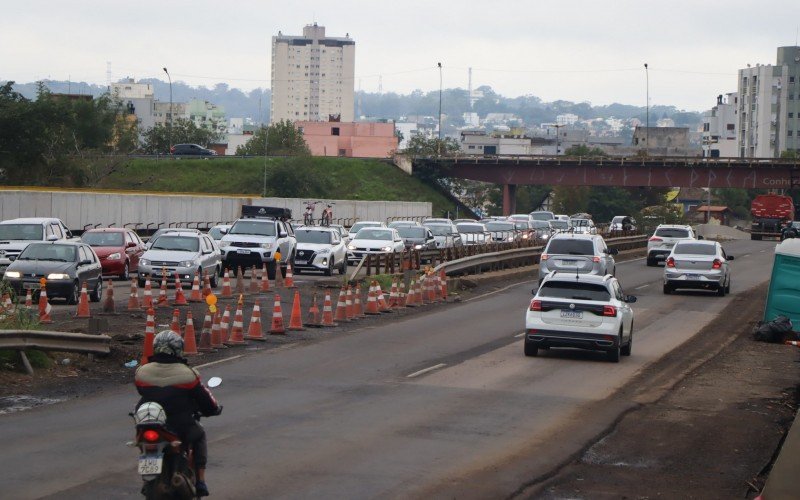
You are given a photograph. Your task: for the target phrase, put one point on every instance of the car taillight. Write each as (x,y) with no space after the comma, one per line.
(595,259)
(609,311)
(716,264)
(544,257)
(151,436)
(536,305)
(670,262)
(655,238)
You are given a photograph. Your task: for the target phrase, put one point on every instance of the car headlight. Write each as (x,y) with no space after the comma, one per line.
(12,274)
(266,246)
(545,236)
(223,244)
(58,276)
(417,247)
(114,256)
(144,262)
(186,263)
(386,249)
(351,246)
(510,238)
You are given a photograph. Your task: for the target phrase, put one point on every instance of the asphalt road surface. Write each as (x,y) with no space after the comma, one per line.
(421,407)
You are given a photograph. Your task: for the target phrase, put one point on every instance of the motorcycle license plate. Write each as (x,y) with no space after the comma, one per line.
(150,465)
(243,251)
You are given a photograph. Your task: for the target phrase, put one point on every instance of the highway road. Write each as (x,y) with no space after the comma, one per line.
(439,404)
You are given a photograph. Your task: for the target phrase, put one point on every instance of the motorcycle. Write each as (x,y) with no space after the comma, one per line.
(165,464)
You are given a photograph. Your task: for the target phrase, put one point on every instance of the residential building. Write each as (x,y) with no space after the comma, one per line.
(769,106)
(567,119)
(719,128)
(662,141)
(665,122)
(137,98)
(312,77)
(357,140)
(207,115)
(479,143)
(160,112)
(407,131)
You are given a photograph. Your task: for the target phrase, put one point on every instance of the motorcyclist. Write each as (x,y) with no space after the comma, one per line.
(167,380)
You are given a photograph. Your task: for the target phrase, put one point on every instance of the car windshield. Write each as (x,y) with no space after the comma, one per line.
(574,290)
(253,228)
(311,236)
(569,246)
(216,233)
(694,249)
(21,232)
(559,224)
(412,232)
(470,228)
(176,243)
(440,229)
(670,232)
(541,224)
(103,239)
(358,226)
(519,217)
(374,234)
(542,215)
(42,251)
(500,226)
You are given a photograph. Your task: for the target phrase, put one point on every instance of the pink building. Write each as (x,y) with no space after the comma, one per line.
(357,140)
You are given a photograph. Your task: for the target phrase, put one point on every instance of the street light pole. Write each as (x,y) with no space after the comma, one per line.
(440,109)
(169,130)
(647,108)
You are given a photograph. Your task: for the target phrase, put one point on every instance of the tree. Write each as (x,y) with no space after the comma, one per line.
(281,139)
(433,147)
(584,150)
(156,139)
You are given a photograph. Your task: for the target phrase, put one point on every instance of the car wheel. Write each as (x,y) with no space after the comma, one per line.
(271,270)
(73,297)
(97,293)
(214,280)
(141,282)
(721,291)
(626,350)
(755,237)
(651,262)
(329,271)
(614,353)
(125,275)
(728,286)
(343,267)
(531,349)
(667,289)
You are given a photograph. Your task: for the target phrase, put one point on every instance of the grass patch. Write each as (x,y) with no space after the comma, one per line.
(10,360)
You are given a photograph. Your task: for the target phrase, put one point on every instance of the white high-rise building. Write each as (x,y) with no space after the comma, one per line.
(719,128)
(312,76)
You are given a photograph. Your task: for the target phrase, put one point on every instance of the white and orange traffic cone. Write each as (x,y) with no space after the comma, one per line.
(29,299)
(83,304)
(277,317)
(149,335)
(133,299)
(224,325)
(108,301)
(175,326)
(237,330)
(227,291)
(349,306)
(264,280)
(189,339)
(314,317)
(327,310)
(196,295)
(205,334)
(162,292)
(255,331)
(296,318)
(216,332)
(411,297)
(253,288)
(180,298)
(147,300)
(358,310)
(289,276)
(341,307)
(372,300)
(239,281)
(207,285)
(44,308)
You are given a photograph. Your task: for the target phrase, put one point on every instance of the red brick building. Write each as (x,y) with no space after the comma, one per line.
(355,140)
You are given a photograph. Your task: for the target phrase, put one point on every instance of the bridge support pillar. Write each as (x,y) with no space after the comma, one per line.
(509,199)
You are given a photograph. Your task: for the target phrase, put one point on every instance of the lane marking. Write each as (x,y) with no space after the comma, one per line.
(426,370)
(745,255)
(206,365)
(499,290)
(519,335)
(643,286)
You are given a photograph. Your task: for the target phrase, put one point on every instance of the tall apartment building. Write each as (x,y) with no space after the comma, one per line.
(719,128)
(769,104)
(312,76)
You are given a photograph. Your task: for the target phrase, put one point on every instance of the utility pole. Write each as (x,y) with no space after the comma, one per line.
(439,147)
(647,108)
(169,129)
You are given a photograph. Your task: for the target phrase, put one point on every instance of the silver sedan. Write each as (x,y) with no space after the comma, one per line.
(699,265)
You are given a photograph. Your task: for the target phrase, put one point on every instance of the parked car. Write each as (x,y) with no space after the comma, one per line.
(358,226)
(218,231)
(622,223)
(664,238)
(16,234)
(445,233)
(191,150)
(577,254)
(184,253)
(374,241)
(65,265)
(260,237)
(542,215)
(502,230)
(320,249)
(791,230)
(417,238)
(474,233)
(698,265)
(543,229)
(403,223)
(164,230)
(119,250)
(344,234)
(584,311)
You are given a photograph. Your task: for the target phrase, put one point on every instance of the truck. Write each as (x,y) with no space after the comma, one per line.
(262,236)
(770,213)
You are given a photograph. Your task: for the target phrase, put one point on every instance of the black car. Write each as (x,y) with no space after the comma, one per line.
(791,231)
(64,265)
(191,150)
(417,238)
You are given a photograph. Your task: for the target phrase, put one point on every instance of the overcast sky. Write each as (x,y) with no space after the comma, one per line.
(583,50)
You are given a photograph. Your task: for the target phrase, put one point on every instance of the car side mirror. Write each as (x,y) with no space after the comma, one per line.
(12,258)
(534,290)
(283,234)
(52,237)
(206,252)
(223,230)
(131,244)
(700,237)
(613,251)
(630,299)
(84,262)
(730,257)
(69,234)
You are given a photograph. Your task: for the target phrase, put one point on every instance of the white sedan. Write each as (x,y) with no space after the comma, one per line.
(374,241)
(319,249)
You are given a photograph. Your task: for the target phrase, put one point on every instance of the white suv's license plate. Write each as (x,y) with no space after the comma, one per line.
(301,262)
(150,465)
(243,251)
(566,313)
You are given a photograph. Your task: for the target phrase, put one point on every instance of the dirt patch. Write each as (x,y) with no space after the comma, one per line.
(712,435)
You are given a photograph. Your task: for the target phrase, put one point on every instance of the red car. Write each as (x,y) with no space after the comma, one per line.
(119,250)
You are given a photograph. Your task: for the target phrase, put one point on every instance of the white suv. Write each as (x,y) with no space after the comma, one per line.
(583,311)
(17,234)
(666,235)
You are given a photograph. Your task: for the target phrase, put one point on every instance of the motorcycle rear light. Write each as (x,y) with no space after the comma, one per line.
(716,264)
(670,262)
(536,305)
(655,238)
(151,436)
(609,311)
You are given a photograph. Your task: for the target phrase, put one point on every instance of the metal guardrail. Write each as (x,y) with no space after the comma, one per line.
(21,340)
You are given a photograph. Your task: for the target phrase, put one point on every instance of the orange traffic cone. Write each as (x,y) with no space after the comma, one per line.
(296,319)
(253,288)
(264,280)
(108,302)
(255,331)
(277,316)
(349,306)
(314,319)
(411,297)
(205,334)
(420,296)
(239,281)
(401,294)
(327,310)
(237,330)
(175,326)
(147,300)
(162,292)
(83,304)
(180,298)
(341,307)
(289,276)
(189,340)
(432,286)
(149,335)
(29,299)
(207,285)
(278,277)
(394,295)
(44,308)
(443,278)
(224,325)
(383,306)
(372,300)
(196,295)
(133,300)
(227,292)
(216,332)
(358,311)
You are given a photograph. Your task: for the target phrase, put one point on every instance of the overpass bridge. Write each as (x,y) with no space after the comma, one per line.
(511,171)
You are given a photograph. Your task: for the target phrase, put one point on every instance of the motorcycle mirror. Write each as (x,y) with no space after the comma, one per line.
(214,382)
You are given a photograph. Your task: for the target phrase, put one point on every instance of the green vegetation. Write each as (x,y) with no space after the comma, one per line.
(283,139)
(156,139)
